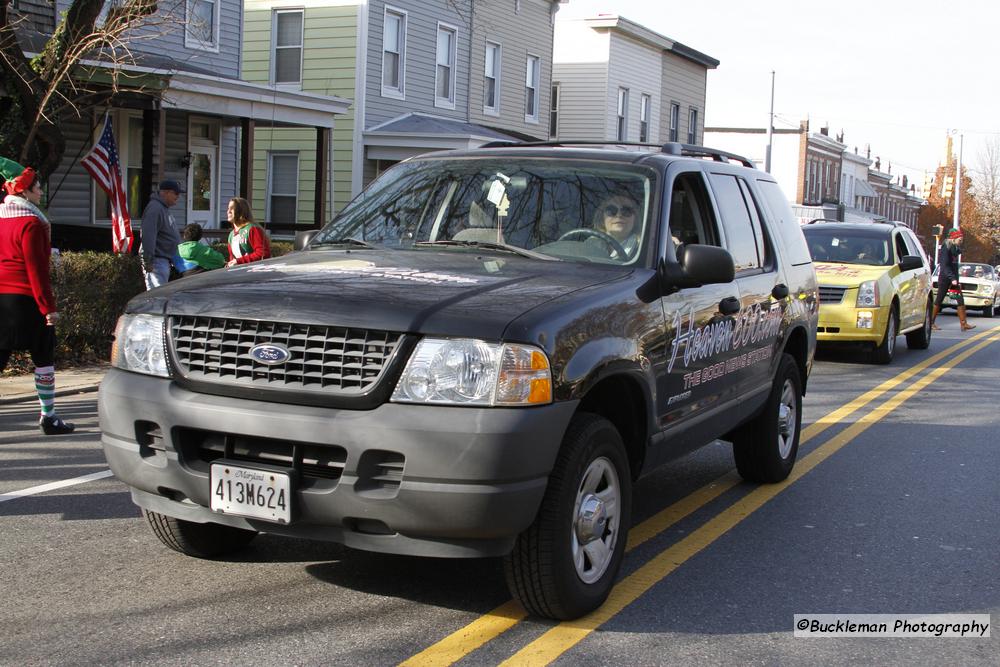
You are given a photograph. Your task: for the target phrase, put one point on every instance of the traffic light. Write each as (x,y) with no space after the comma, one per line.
(948,187)
(937,231)
(928,186)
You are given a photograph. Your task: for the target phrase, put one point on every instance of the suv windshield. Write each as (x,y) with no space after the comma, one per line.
(846,246)
(573,210)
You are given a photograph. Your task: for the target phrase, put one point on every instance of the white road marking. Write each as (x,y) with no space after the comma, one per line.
(52,486)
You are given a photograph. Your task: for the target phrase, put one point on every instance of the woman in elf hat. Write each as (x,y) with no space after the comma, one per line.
(948,277)
(248,240)
(27,306)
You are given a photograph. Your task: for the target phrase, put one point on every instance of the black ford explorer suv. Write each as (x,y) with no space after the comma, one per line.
(477,357)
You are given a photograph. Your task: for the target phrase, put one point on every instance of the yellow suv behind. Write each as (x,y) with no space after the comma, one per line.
(874,283)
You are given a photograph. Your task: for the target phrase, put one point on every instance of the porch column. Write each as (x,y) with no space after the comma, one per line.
(322,175)
(246,159)
(150,119)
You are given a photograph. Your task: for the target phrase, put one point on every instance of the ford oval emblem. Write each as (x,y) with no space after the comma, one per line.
(270,354)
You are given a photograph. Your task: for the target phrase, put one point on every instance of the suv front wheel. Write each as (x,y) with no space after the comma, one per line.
(201,540)
(766,446)
(564,565)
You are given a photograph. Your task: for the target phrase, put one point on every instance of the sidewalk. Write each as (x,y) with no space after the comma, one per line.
(70,381)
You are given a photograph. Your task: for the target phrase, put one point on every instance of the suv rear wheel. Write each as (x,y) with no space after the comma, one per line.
(766,446)
(921,338)
(201,540)
(564,565)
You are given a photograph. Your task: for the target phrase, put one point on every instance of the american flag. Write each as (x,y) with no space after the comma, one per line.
(102,163)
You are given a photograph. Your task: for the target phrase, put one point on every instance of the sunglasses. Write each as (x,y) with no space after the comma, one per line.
(611,210)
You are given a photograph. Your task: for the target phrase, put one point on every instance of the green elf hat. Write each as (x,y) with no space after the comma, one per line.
(15,177)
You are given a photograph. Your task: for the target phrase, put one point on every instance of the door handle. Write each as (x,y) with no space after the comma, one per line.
(780,291)
(729,306)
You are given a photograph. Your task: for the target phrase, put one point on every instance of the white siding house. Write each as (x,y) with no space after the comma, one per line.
(618,81)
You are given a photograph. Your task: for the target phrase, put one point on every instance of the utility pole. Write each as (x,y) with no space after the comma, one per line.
(770,129)
(958,180)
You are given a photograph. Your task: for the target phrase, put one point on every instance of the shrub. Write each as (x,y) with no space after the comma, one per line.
(91,290)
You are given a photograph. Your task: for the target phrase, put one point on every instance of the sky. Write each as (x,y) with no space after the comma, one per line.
(897,76)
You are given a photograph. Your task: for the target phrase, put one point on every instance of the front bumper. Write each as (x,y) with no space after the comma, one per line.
(971,300)
(838,322)
(471,479)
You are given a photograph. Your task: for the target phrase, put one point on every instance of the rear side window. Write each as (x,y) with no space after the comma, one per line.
(786,228)
(741,240)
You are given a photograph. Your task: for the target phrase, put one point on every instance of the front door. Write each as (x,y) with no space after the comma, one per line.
(202,197)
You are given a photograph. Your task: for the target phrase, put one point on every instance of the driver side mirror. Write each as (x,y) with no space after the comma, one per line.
(302,239)
(910,263)
(698,265)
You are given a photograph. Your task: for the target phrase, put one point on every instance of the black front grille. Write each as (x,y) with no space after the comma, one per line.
(199,448)
(831,294)
(337,360)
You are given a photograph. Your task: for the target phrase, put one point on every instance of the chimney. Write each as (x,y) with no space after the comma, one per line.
(905,181)
(868,151)
(825,130)
(878,163)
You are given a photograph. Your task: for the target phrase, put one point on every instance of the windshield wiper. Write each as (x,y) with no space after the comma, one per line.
(487,245)
(355,243)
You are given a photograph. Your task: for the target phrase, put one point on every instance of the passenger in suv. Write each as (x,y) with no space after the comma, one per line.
(874,283)
(461,365)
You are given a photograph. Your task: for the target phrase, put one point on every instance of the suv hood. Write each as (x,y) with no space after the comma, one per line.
(848,275)
(450,292)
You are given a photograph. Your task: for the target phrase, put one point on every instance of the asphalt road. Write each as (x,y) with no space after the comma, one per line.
(893,508)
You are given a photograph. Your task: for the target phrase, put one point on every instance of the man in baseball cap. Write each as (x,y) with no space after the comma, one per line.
(159,235)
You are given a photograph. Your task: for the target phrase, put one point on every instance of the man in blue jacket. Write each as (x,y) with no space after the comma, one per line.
(159,235)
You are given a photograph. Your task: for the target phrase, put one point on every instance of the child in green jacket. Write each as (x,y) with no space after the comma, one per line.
(195,256)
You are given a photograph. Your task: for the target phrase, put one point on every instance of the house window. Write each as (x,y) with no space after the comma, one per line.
(644,118)
(202,25)
(675,120)
(531,74)
(394,54)
(444,88)
(554,112)
(622,133)
(491,84)
(283,187)
(129,145)
(287,40)
(693,126)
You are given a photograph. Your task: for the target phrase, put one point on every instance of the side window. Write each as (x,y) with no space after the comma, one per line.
(914,248)
(901,249)
(740,239)
(691,219)
(759,229)
(785,225)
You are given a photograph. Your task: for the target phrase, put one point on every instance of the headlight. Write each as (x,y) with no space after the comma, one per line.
(986,288)
(139,345)
(474,372)
(868,294)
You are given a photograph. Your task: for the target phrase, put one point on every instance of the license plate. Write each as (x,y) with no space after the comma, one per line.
(251,492)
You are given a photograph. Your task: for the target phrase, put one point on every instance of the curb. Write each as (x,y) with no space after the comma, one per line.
(69,391)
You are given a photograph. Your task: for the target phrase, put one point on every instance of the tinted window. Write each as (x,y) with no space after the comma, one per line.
(691,219)
(763,244)
(901,249)
(848,246)
(913,244)
(785,224)
(741,242)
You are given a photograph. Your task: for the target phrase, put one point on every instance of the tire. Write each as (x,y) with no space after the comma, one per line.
(921,338)
(564,565)
(201,540)
(989,310)
(766,446)
(886,350)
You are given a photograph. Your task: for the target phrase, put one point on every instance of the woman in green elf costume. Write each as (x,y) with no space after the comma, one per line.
(28,312)
(248,241)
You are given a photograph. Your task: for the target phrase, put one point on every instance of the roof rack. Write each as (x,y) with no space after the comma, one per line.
(669,148)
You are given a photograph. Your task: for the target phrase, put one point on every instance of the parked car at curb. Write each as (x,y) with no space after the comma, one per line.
(874,284)
(477,357)
(980,285)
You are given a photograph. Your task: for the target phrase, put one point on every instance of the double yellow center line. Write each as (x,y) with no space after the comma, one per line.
(562,637)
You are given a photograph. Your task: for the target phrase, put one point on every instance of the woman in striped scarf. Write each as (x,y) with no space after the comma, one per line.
(27,306)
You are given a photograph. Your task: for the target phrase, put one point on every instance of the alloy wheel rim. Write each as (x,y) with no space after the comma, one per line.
(890,335)
(596,520)
(787,419)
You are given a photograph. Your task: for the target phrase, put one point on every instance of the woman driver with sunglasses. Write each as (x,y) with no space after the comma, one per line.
(616,217)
